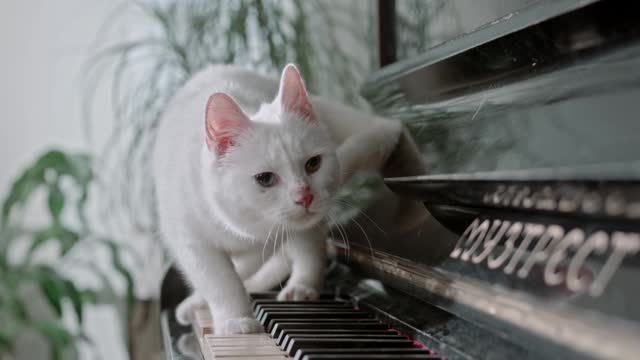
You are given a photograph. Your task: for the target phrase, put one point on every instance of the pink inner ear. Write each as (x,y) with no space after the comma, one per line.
(293,95)
(224,122)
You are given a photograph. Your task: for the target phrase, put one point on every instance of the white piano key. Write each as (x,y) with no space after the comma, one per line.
(240,341)
(202,322)
(240,346)
(249,352)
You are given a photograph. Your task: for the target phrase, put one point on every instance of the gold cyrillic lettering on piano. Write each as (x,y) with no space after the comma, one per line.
(580,261)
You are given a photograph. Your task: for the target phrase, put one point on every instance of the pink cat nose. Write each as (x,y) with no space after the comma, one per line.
(305,200)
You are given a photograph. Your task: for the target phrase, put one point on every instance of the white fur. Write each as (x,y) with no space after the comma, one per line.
(228,234)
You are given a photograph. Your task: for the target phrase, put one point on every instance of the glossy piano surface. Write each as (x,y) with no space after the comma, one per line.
(531,190)
(422,25)
(558,93)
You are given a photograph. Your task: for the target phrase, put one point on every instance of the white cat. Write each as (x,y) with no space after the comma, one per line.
(244,185)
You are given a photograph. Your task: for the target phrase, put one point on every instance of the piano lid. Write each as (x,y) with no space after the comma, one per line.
(529,131)
(555,93)
(424,25)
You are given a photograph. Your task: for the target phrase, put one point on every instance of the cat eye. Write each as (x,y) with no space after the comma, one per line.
(266,179)
(313,164)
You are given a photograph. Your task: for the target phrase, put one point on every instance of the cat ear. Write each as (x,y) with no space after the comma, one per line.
(224,122)
(292,94)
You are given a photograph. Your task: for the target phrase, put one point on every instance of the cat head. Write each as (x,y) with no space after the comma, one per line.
(278,165)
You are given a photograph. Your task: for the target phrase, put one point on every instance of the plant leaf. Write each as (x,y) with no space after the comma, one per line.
(54,330)
(51,290)
(76,297)
(55,202)
(79,167)
(89,296)
(59,338)
(9,300)
(53,159)
(67,239)
(21,189)
(39,238)
(121,269)
(6,342)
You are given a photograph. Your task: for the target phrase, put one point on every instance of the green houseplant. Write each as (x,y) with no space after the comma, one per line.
(67,237)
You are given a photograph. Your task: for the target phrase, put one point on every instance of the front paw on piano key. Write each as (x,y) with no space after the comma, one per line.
(310,330)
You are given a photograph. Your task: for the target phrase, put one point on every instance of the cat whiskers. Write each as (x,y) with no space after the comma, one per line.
(275,242)
(285,233)
(342,233)
(286,241)
(267,240)
(366,237)
(343,202)
(287,245)
(360,212)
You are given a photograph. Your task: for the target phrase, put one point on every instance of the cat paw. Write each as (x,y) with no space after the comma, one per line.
(253,286)
(297,293)
(244,325)
(186,310)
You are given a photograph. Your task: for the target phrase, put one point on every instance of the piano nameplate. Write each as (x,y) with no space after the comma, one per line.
(581,329)
(561,252)
(576,200)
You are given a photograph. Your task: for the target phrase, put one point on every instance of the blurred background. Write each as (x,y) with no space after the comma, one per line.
(83,84)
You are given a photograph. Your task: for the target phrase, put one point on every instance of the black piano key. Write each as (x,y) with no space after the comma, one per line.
(272,295)
(310,302)
(331,305)
(355,318)
(265,310)
(347,324)
(304,343)
(303,303)
(267,315)
(370,357)
(294,302)
(387,351)
(285,334)
(271,319)
(331,329)
(288,339)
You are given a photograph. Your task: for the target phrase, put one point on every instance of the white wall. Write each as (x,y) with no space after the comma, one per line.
(43,47)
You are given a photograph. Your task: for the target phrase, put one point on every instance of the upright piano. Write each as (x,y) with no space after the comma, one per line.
(518,235)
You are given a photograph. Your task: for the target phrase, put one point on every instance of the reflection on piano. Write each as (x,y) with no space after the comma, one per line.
(522,241)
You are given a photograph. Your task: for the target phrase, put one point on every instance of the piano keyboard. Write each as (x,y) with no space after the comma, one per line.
(309,330)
